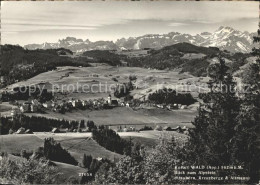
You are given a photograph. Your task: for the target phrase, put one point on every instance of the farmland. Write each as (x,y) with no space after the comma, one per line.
(127,117)
(77,144)
(64,79)
(147,81)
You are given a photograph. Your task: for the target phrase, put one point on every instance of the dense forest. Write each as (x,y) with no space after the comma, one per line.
(26,92)
(52,150)
(19,64)
(111,140)
(105,56)
(169,96)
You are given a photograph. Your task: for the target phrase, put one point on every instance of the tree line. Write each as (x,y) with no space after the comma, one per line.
(40,124)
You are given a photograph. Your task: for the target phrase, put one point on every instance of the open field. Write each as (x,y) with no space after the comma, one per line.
(15,143)
(125,116)
(142,140)
(5,108)
(62,136)
(64,79)
(148,81)
(76,144)
(68,170)
(79,147)
(150,138)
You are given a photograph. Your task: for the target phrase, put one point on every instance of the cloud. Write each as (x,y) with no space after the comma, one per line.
(7,27)
(102,19)
(177,24)
(205,21)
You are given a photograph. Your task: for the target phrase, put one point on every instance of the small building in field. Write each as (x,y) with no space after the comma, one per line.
(126,129)
(114,103)
(184,107)
(55,130)
(35,102)
(84,103)
(20,131)
(172,106)
(2,79)
(109,100)
(160,106)
(26,107)
(15,111)
(76,103)
(178,129)
(184,128)
(132,129)
(128,104)
(28,131)
(34,108)
(167,128)
(48,104)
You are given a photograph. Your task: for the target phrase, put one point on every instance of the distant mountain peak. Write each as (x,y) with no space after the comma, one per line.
(205,33)
(225,38)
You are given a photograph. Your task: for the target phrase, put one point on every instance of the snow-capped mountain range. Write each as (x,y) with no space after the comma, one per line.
(225,38)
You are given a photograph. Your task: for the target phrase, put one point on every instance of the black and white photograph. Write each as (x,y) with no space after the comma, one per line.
(130,92)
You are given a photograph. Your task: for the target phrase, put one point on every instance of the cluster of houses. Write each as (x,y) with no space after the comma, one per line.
(126,129)
(178,129)
(171,106)
(96,104)
(161,106)
(28,106)
(34,106)
(21,131)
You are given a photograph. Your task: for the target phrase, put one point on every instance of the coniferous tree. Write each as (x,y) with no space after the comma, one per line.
(86,161)
(214,125)
(246,140)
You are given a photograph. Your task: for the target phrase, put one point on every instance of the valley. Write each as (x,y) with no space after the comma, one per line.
(94,102)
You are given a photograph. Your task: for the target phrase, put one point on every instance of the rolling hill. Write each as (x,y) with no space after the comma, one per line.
(186,57)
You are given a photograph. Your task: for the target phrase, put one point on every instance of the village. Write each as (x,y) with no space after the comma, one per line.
(63,106)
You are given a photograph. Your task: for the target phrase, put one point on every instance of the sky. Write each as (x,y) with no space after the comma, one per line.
(27,22)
